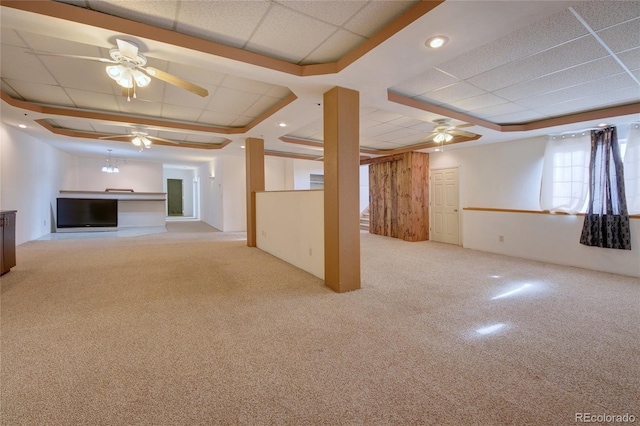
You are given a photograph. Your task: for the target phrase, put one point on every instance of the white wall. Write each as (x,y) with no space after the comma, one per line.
(507,176)
(302,171)
(187,176)
(31,175)
(290,226)
(137,175)
(211,211)
(364,187)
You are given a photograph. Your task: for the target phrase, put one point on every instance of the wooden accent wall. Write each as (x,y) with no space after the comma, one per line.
(399,194)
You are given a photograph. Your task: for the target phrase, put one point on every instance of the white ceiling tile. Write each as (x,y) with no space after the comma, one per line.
(216,118)
(518,117)
(111,128)
(232,101)
(381,116)
(424,126)
(603,85)
(559,58)
(195,75)
(452,93)
(45,43)
(566,78)
(482,101)
(406,121)
(74,124)
(630,58)
(330,11)
(279,92)
(380,129)
(376,15)
(139,107)
(93,100)
(539,36)
(172,136)
(227,22)
(497,110)
(396,134)
(40,93)
(10,38)
(428,81)
(79,74)
(622,37)
(600,100)
(410,139)
(279,34)
(199,138)
(21,66)
(9,90)
(260,106)
(602,14)
(246,85)
(175,112)
(176,96)
(241,121)
(334,48)
(153,12)
(369,143)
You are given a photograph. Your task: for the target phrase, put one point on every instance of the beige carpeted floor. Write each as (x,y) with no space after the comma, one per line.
(195,328)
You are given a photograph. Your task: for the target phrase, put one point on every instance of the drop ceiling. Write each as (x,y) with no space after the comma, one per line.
(269,62)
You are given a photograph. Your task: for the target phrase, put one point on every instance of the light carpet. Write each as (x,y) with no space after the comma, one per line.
(196,328)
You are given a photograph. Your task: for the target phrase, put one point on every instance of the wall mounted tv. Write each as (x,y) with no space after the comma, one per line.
(87,213)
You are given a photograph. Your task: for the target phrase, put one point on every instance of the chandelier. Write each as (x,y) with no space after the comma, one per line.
(110,166)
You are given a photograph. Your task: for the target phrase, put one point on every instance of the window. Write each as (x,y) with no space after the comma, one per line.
(631,156)
(565,172)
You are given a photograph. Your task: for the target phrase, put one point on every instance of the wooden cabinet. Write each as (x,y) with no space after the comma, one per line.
(7,240)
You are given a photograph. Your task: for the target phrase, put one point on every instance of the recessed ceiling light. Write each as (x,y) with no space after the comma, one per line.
(281,124)
(242,146)
(437,41)
(22,126)
(602,125)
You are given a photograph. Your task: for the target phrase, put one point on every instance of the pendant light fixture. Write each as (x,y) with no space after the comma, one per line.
(110,166)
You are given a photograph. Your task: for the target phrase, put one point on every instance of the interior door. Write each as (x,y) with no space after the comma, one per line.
(174,197)
(445,218)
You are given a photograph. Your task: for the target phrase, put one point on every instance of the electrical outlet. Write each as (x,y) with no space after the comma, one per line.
(501,238)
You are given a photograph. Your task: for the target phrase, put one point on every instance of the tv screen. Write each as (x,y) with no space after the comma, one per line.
(87,212)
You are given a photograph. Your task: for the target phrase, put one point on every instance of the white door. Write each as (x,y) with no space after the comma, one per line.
(445,218)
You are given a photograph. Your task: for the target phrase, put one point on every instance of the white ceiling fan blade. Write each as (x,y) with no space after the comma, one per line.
(429,137)
(127,49)
(155,138)
(176,81)
(61,55)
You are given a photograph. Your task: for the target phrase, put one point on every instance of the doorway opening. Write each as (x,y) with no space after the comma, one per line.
(174,198)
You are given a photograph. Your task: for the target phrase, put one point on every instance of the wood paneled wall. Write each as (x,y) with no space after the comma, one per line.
(399,194)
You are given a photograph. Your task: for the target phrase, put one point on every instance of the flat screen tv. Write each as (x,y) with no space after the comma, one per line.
(87,212)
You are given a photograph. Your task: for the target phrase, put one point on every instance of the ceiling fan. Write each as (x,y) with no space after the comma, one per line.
(127,68)
(444,132)
(140,138)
